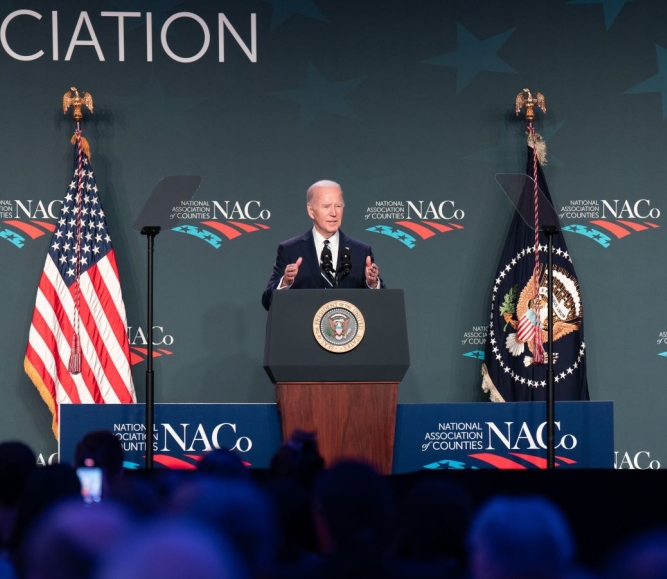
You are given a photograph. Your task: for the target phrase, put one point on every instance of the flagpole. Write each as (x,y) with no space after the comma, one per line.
(77,101)
(525,99)
(150,233)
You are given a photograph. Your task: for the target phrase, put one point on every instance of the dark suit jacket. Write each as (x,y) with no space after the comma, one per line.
(309,276)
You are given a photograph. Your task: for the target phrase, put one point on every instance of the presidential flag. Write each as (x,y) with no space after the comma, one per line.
(519,307)
(78,350)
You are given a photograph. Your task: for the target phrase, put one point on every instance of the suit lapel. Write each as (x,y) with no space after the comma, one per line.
(309,253)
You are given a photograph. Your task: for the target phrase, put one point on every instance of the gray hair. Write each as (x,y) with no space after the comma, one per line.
(319,184)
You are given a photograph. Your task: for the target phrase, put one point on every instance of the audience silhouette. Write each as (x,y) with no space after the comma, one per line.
(296,520)
(520,538)
(17,462)
(642,557)
(71,538)
(103,450)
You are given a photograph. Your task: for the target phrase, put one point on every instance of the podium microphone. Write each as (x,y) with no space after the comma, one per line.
(329,273)
(345,264)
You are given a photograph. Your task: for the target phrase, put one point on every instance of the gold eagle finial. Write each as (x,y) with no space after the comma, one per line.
(525,99)
(77,102)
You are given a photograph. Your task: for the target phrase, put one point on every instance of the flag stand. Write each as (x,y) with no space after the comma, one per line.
(150,232)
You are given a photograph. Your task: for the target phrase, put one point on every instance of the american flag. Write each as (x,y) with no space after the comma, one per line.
(79,304)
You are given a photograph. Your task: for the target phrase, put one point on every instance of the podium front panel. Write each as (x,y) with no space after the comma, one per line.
(292,353)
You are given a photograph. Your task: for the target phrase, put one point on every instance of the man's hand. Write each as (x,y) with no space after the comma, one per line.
(372,273)
(290,273)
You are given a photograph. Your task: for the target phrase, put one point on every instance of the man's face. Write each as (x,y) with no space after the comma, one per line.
(326,210)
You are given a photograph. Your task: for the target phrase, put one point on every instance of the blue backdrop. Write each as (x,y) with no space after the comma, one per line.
(410,106)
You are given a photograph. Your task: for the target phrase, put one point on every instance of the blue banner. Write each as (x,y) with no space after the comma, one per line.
(506,436)
(182,433)
(428,436)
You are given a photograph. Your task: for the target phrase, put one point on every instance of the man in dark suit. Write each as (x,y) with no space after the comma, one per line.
(299,262)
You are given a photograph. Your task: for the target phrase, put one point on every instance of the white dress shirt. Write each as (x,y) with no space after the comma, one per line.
(333,244)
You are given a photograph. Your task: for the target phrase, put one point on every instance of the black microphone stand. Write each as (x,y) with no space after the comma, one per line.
(345,266)
(170,192)
(550,231)
(150,233)
(327,266)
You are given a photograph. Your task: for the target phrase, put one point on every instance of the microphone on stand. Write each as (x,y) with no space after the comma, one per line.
(345,264)
(327,265)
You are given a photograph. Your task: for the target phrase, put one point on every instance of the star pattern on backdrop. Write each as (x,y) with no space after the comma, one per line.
(283,9)
(318,96)
(657,82)
(611,8)
(474,55)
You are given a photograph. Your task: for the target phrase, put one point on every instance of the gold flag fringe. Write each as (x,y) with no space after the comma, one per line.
(489,387)
(85,146)
(36,379)
(541,147)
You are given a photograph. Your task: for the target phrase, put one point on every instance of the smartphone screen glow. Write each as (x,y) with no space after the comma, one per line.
(91,483)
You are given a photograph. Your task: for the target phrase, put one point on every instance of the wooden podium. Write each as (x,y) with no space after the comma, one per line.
(348,397)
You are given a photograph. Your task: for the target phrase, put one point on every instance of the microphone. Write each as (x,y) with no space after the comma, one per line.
(345,264)
(327,263)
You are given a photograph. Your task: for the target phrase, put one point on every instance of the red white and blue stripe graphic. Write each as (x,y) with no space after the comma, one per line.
(618,228)
(510,461)
(215,232)
(409,232)
(17,232)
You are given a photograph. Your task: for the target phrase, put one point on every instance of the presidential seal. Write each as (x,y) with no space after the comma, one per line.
(338,326)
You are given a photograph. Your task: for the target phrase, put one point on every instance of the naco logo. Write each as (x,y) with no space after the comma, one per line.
(523,439)
(182,446)
(217,221)
(476,336)
(137,337)
(24,220)
(45,458)
(414,220)
(196,439)
(514,446)
(662,340)
(610,219)
(635,461)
